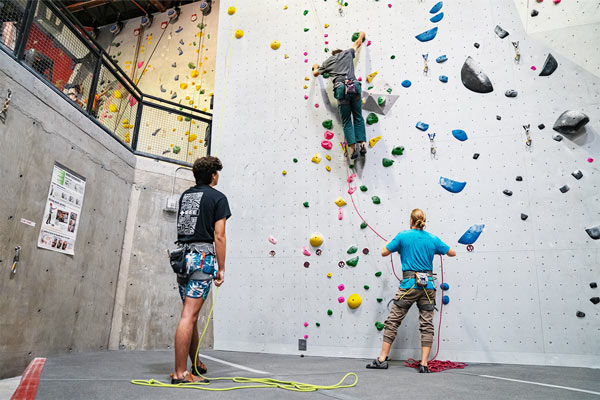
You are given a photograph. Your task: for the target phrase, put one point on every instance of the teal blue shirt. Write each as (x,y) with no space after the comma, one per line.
(417,249)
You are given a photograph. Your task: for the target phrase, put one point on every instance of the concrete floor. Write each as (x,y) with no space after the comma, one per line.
(107,375)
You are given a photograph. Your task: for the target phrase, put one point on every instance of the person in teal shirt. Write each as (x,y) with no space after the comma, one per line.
(417,249)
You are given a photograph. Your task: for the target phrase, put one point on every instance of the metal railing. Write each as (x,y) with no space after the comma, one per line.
(44,38)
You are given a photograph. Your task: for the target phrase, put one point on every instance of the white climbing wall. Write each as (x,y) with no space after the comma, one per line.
(514,298)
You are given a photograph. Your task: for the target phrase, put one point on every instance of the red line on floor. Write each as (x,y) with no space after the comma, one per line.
(27,389)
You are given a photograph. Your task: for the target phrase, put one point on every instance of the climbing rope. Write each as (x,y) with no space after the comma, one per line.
(256,383)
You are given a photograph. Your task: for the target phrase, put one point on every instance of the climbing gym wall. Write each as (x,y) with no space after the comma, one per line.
(470,141)
(172,60)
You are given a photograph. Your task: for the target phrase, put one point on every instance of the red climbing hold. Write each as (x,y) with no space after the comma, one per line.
(326,144)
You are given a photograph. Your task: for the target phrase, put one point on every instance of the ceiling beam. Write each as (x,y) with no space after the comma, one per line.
(84,5)
(158,5)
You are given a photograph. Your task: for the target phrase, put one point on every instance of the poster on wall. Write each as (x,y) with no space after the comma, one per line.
(63,211)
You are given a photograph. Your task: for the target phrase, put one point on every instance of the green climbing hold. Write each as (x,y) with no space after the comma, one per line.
(352,262)
(378,274)
(202,91)
(379,326)
(389,90)
(305,12)
(326,50)
(200,26)
(355,35)
(393,57)
(306,29)
(387,162)
(346,4)
(397,151)
(295,160)
(363,188)
(317,324)
(305,204)
(370,87)
(329,312)
(380,101)
(328,124)
(372,119)
(176,150)
(379,299)
(366,287)
(376,200)
(195,43)
(363,225)
(187,119)
(118,54)
(352,250)
(191,65)
(326,75)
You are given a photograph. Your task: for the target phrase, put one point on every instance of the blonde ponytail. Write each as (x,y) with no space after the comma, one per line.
(417,218)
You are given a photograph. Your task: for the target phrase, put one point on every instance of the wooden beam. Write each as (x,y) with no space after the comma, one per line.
(85,5)
(158,5)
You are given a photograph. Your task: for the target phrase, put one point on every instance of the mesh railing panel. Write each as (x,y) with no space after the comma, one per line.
(11,18)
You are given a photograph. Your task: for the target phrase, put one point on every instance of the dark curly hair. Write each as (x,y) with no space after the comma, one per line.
(204,168)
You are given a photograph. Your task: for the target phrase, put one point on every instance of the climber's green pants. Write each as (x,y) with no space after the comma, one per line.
(351,109)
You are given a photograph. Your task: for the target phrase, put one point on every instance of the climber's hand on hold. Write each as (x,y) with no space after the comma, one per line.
(315,70)
(220,278)
(356,45)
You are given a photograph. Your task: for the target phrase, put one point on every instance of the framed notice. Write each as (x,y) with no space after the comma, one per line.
(62,213)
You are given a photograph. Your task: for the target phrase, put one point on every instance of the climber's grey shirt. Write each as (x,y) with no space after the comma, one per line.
(340,66)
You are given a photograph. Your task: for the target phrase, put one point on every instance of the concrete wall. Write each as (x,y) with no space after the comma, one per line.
(56,303)
(514,298)
(147,305)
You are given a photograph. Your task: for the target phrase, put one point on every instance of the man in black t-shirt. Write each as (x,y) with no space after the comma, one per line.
(203,212)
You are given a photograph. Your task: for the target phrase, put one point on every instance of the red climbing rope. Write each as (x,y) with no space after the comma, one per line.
(433,364)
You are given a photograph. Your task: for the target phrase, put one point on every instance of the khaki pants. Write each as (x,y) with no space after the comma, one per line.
(400,308)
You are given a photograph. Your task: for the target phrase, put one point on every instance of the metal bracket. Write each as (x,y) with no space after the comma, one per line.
(13,269)
(5,107)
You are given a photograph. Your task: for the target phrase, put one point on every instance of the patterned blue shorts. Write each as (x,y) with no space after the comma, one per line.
(193,288)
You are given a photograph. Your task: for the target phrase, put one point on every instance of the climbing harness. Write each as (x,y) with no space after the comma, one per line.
(517,54)
(432,148)
(340,4)
(528,141)
(254,382)
(5,107)
(426,66)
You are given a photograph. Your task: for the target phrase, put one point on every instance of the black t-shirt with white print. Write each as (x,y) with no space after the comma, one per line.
(199,208)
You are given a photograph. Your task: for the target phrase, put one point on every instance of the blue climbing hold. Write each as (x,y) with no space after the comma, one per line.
(436,8)
(452,186)
(422,126)
(437,18)
(460,134)
(179,29)
(444,286)
(427,35)
(472,234)
(176,77)
(441,59)
(445,299)
(443,78)
(406,83)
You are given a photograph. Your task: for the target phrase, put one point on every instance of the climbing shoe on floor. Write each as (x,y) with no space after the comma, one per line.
(423,369)
(201,368)
(363,149)
(354,155)
(376,364)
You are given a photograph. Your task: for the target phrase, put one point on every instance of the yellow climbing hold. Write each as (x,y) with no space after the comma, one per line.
(316,239)
(371,76)
(275,44)
(239,33)
(198,87)
(305,87)
(231,10)
(192,137)
(316,158)
(374,140)
(284,172)
(328,157)
(306,78)
(286,56)
(326,25)
(187,97)
(179,118)
(191,102)
(328,168)
(125,121)
(329,275)
(117,94)
(354,301)
(183,85)
(194,74)
(340,202)
(285,7)
(112,108)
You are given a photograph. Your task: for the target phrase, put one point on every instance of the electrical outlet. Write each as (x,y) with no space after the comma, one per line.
(302,344)
(172,204)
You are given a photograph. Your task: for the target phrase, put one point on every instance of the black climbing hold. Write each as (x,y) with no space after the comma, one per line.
(541,126)
(306,264)
(524,216)
(507,192)
(534,13)
(570,122)
(476,45)
(580,314)
(595,300)
(593,285)
(474,78)
(577,174)
(511,93)
(564,189)
(557,137)
(365,251)
(519,178)
(550,65)
(475,156)
(500,32)
(498,117)
(594,232)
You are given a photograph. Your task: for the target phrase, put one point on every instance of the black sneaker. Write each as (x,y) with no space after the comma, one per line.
(376,364)
(423,369)
(363,149)
(354,155)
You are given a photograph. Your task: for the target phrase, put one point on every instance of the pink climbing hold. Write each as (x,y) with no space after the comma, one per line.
(340,214)
(305,336)
(326,42)
(132,101)
(316,105)
(590,160)
(351,190)
(369,43)
(140,64)
(341,287)
(326,144)
(326,35)
(533,68)
(360,78)
(341,299)
(328,135)
(306,53)
(305,97)
(272,240)
(305,251)
(306,324)
(556,1)
(306,60)
(389,6)
(351,178)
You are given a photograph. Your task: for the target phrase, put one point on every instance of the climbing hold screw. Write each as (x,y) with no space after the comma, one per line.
(341,264)
(470,248)
(318,252)
(272,253)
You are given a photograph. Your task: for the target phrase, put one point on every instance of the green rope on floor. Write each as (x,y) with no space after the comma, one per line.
(257,383)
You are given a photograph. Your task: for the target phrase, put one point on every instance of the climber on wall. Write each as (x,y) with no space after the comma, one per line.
(347,91)
(203,212)
(417,249)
